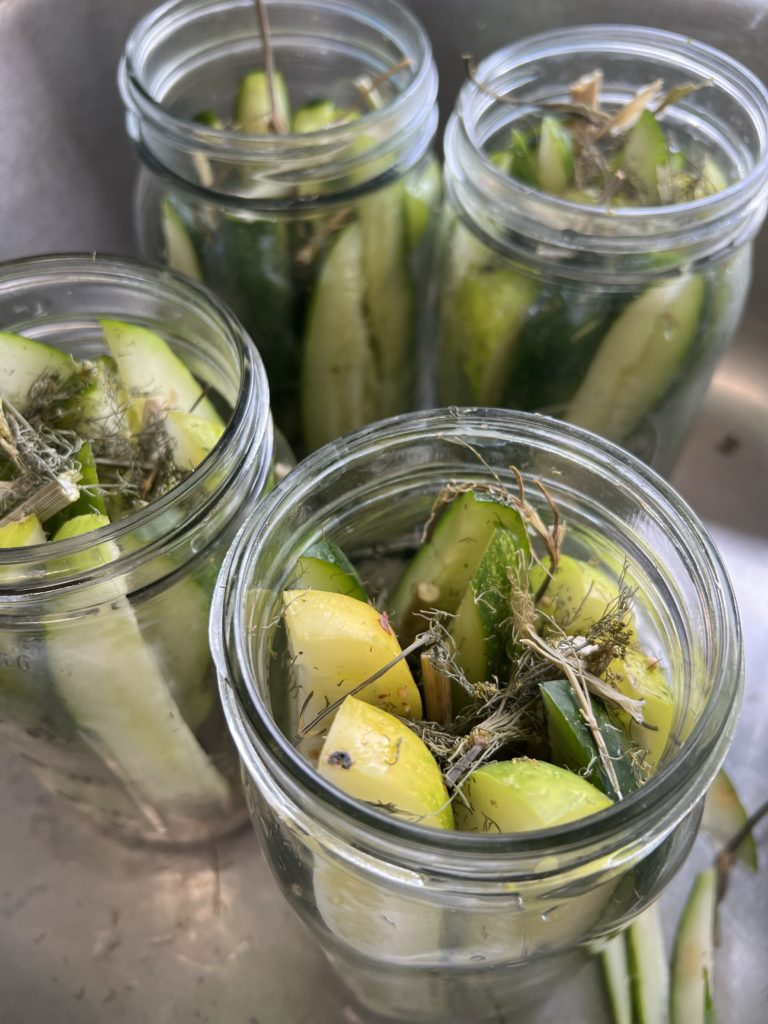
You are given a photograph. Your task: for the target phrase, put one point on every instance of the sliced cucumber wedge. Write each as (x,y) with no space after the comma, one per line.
(389,300)
(180,252)
(482,626)
(23,362)
(573,746)
(422,190)
(724,815)
(373,756)
(150,369)
(639,358)
(253,103)
(338,374)
(644,152)
(523,158)
(641,677)
(324,566)
(116,693)
(648,968)
(578,595)
(491,308)
(336,642)
(22,533)
(692,961)
(192,437)
(616,973)
(525,794)
(440,572)
(554,159)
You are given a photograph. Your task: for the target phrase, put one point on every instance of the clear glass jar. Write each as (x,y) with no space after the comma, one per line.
(531,284)
(124,609)
(432,925)
(318,241)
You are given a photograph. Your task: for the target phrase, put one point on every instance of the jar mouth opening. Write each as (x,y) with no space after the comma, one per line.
(523,67)
(261,741)
(100,270)
(416,83)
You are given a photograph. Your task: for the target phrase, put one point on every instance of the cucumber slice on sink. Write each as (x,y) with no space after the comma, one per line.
(115,690)
(150,369)
(23,362)
(324,566)
(724,815)
(338,373)
(572,745)
(648,967)
(639,358)
(693,957)
(440,572)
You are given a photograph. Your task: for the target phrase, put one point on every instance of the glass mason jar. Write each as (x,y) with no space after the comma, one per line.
(317,239)
(107,689)
(609,316)
(433,925)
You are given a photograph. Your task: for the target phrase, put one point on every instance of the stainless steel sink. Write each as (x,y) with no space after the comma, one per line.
(93,933)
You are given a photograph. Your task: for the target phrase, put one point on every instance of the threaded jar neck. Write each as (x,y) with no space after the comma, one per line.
(728,113)
(186,57)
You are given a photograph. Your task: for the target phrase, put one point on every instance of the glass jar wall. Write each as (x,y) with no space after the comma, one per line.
(590,268)
(316,235)
(439,925)
(107,689)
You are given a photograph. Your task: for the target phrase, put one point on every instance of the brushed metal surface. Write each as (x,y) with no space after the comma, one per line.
(93,933)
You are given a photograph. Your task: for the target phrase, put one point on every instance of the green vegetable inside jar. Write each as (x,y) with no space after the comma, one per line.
(477,711)
(604,185)
(287,165)
(134,430)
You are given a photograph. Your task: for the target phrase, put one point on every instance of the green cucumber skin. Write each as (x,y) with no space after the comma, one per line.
(324,566)
(338,372)
(572,744)
(615,964)
(690,996)
(649,972)
(482,626)
(557,342)
(450,556)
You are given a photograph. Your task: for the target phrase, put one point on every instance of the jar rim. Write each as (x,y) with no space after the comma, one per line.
(250,411)
(611,230)
(223,143)
(681,783)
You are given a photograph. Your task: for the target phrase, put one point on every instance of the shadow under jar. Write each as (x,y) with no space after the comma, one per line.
(317,237)
(438,925)
(599,279)
(107,689)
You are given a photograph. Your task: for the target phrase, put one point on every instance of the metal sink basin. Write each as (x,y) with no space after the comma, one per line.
(94,933)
